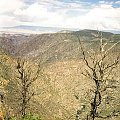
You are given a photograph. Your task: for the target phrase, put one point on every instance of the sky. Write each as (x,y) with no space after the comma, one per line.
(82,14)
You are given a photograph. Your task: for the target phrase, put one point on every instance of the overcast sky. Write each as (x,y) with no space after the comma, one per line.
(82,14)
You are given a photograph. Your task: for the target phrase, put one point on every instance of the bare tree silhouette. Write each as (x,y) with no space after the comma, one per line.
(99,70)
(26,80)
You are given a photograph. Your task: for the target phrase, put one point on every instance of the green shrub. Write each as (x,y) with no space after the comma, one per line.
(28,117)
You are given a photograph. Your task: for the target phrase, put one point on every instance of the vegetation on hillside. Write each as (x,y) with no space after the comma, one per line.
(81,81)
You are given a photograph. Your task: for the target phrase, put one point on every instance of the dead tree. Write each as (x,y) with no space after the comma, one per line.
(99,71)
(26,80)
(1,105)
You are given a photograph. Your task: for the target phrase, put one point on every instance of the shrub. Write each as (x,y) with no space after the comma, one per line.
(28,117)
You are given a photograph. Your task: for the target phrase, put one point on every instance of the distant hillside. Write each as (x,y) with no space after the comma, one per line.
(53,46)
(93,33)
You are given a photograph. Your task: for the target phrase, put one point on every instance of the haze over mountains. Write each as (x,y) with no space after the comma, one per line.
(40,29)
(34,29)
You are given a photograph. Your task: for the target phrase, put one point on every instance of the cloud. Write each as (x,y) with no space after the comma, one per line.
(106,2)
(54,13)
(33,11)
(117,2)
(10,5)
(38,13)
(103,17)
(101,2)
(8,21)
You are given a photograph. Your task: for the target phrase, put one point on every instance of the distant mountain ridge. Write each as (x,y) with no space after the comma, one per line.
(43,29)
(36,29)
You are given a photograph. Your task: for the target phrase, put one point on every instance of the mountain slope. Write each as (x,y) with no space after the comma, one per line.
(56,46)
(62,80)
